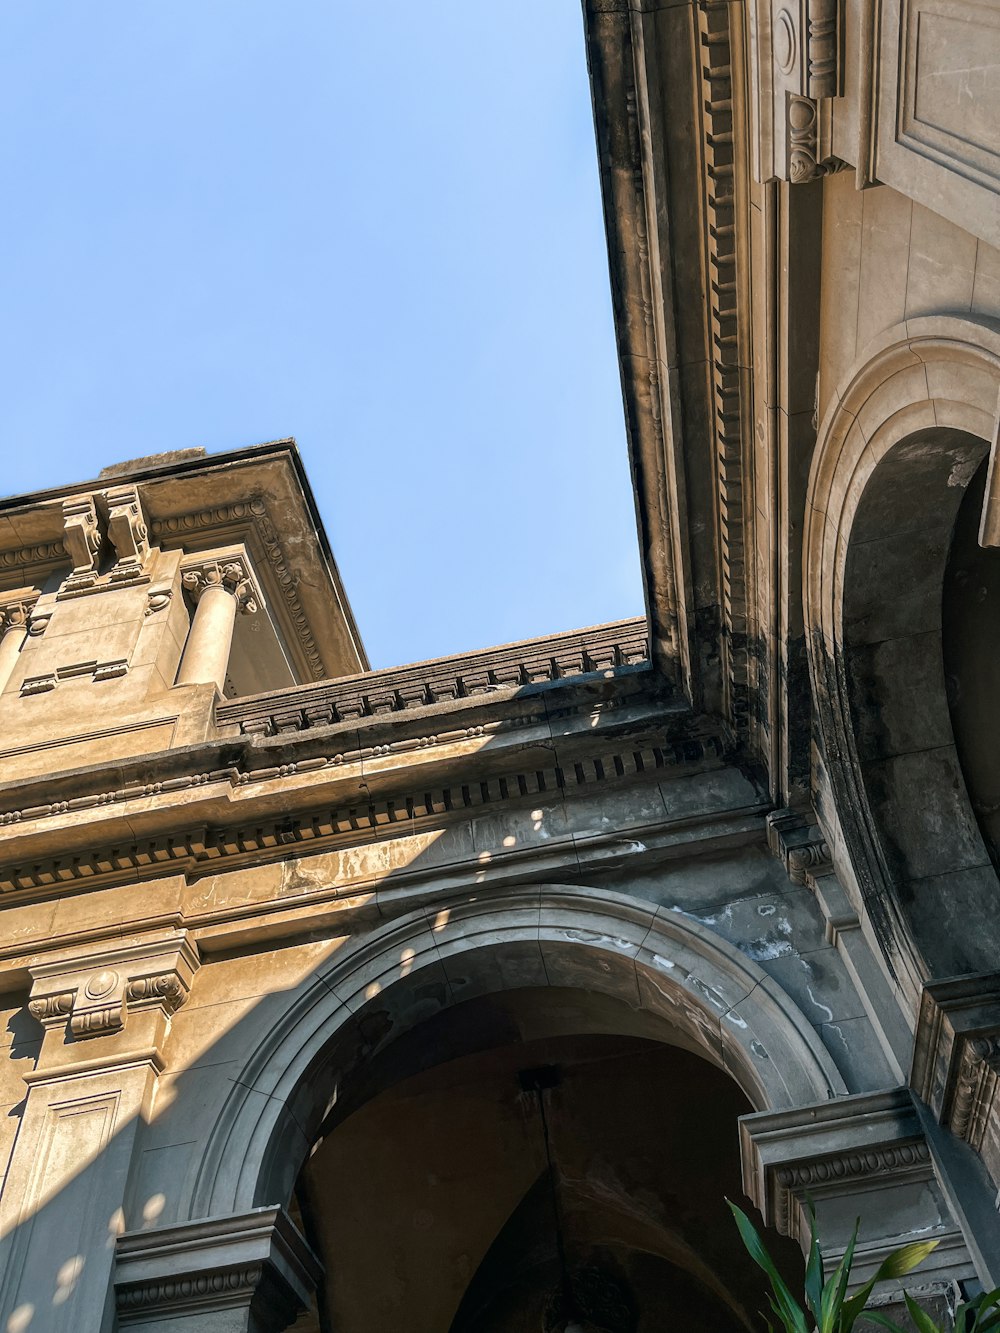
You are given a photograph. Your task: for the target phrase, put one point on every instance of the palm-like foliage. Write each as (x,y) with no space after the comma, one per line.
(828,1307)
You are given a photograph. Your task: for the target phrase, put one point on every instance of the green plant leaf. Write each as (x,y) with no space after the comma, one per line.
(922,1322)
(883,1321)
(785,1306)
(815,1277)
(905,1259)
(835,1289)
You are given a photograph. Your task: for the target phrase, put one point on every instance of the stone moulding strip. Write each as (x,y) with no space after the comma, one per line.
(719,181)
(604,650)
(199,850)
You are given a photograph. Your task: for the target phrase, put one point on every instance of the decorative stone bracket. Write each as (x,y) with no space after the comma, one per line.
(97,992)
(864,1155)
(956,1060)
(86,519)
(798,844)
(249,1272)
(798,46)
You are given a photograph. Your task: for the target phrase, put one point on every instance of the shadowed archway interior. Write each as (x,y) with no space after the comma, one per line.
(433,1203)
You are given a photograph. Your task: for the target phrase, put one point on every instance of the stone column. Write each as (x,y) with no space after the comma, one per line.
(221,587)
(252,1273)
(13,632)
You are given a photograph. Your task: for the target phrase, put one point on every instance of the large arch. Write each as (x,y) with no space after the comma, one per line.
(905,434)
(669,971)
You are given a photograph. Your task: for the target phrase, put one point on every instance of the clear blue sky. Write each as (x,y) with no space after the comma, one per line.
(373,226)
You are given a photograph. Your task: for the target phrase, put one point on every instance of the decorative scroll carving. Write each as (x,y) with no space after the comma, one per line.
(976,1088)
(14,614)
(956,1060)
(232,575)
(126,531)
(97,995)
(799,845)
(38,622)
(82,539)
(803,143)
(157,599)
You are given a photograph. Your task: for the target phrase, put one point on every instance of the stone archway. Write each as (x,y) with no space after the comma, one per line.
(701,993)
(899,446)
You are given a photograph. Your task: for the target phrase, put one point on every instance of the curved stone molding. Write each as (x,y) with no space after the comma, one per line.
(938,375)
(698,990)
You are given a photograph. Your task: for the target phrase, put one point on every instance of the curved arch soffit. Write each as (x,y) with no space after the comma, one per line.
(708,995)
(938,374)
(941,371)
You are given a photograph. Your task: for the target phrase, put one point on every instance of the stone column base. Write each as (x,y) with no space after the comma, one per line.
(250,1273)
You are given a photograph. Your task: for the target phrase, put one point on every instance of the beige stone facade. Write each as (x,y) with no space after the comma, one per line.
(450,997)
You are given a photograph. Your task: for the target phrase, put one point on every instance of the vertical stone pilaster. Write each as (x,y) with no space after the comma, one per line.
(105,1016)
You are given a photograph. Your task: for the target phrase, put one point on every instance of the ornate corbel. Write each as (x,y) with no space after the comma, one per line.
(127,532)
(82,539)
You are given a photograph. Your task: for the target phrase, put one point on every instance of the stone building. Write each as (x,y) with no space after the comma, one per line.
(458,996)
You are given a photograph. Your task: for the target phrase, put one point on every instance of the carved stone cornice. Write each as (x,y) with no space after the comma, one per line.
(232,573)
(798,844)
(606,650)
(831,1156)
(369,816)
(96,992)
(956,1060)
(255,1261)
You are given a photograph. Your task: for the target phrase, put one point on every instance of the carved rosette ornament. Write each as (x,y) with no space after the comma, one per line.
(233,576)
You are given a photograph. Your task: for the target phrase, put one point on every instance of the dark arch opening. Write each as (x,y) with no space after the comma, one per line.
(914,779)
(429,1200)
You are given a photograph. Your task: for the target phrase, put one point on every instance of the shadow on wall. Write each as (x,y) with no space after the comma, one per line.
(275,1048)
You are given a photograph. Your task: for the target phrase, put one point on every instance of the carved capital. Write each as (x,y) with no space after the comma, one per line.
(15,609)
(232,574)
(255,1262)
(956,1060)
(96,994)
(127,531)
